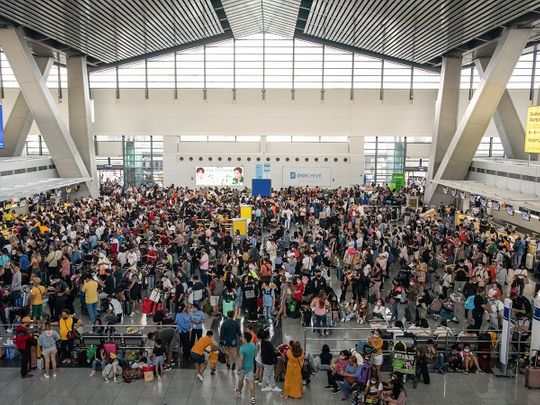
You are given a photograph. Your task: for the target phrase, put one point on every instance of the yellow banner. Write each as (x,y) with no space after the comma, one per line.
(532,132)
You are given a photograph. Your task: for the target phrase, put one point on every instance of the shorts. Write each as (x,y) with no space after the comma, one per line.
(37,311)
(48,350)
(173,343)
(159,361)
(198,358)
(377,359)
(246,375)
(234,343)
(214,300)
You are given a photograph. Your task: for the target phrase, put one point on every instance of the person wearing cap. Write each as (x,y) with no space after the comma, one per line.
(23,341)
(37,294)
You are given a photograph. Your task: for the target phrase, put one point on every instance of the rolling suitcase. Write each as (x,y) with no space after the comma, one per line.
(532,375)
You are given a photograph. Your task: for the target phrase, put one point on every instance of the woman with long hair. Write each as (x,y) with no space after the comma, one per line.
(319,306)
(293,374)
(47,340)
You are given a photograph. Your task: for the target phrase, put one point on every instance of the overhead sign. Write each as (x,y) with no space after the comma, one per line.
(532,131)
(307,176)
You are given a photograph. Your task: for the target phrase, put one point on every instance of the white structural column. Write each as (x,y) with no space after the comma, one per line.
(80,122)
(20,119)
(39,99)
(482,106)
(507,121)
(446,116)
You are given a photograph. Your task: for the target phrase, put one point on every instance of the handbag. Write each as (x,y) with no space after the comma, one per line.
(73,333)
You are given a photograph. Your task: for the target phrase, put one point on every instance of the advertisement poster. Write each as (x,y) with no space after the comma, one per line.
(307,176)
(219,176)
(532,131)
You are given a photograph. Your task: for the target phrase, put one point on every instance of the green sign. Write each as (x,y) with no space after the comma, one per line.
(404,363)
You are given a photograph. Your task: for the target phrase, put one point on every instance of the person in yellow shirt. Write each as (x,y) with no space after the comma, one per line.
(197,352)
(90,290)
(36,301)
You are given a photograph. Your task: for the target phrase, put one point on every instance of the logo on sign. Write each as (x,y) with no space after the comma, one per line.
(292,175)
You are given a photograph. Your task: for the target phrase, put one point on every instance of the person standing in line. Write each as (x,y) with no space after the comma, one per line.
(196,318)
(90,290)
(246,367)
(47,340)
(480,308)
(268,357)
(184,330)
(23,342)
(293,374)
(228,336)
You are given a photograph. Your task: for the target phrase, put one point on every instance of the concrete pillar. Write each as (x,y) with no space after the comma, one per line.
(20,119)
(446,116)
(40,101)
(482,106)
(507,121)
(80,123)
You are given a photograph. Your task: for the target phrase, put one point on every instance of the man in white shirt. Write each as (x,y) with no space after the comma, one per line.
(115,308)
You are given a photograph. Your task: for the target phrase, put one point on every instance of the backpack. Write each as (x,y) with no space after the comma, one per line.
(469,302)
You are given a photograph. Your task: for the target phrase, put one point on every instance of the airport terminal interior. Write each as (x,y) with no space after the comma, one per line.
(270,201)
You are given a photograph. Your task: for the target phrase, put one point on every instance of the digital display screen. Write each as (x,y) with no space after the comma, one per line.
(219,176)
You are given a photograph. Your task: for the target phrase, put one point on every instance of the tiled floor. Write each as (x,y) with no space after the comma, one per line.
(73,386)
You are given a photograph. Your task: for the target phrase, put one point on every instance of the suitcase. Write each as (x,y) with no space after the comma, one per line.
(532,375)
(529,261)
(365,374)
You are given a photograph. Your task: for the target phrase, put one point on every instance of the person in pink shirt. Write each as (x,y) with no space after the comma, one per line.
(320,306)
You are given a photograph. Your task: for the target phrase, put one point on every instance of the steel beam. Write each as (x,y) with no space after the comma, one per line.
(20,119)
(80,122)
(475,121)
(506,120)
(40,101)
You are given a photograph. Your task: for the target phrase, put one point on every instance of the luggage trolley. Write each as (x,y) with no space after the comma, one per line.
(404,359)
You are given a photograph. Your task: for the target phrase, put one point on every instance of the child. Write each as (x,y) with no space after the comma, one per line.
(112,370)
(469,359)
(307,314)
(157,356)
(363,311)
(213,359)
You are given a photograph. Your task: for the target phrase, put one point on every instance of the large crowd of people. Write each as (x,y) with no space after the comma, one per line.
(323,257)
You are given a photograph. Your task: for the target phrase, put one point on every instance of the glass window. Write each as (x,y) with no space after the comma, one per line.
(221,138)
(305,138)
(193,138)
(248,138)
(278,138)
(335,139)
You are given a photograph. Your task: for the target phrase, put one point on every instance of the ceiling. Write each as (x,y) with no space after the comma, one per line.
(416,33)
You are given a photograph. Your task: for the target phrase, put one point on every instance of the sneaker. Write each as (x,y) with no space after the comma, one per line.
(252,400)
(480,371)
(54,375)
(238,393)
(200,377)
(106,381)
(116,381)
(213,372)
(233,366)
(46,375)
(228,366)
(329,386)
(334,391)
(266,389)
(276,389)
(465,371)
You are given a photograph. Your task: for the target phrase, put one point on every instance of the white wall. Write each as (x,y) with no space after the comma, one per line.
(219,114)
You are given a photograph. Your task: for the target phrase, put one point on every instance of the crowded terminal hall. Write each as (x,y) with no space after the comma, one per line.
(239,201)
